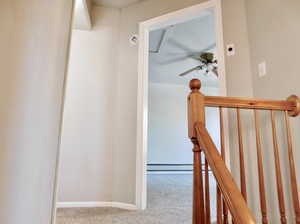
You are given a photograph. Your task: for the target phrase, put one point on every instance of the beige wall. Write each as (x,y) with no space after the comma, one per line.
(86,150)
(33,44)
(274,35)
(238,79)
(239,84)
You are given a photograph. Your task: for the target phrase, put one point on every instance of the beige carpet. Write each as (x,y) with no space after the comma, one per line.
(169,201)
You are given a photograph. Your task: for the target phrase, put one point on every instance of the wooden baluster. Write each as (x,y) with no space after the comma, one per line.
(241,154)
(196,113)
(207,194)
(198,189)
(223,155)
(219,206)
(262,192)
(278,171)
(293,176)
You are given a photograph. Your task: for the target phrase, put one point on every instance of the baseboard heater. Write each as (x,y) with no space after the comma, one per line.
(167,167)
(163,167)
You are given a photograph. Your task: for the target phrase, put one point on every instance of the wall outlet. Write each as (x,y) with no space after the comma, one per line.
(230,49)
(262,69)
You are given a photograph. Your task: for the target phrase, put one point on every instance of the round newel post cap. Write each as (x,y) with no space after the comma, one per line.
(195,85)
(296,101)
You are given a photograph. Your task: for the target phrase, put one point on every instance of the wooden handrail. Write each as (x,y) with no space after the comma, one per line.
(292,104)
(230,191)
(233,198)
(203,143)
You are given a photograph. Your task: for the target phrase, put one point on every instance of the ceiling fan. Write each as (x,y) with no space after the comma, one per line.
(208,64)
(207,60)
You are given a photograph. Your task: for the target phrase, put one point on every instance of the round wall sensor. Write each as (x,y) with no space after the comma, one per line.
(230,49)
(134,39)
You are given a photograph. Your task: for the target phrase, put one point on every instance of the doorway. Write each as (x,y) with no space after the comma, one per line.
(167,47)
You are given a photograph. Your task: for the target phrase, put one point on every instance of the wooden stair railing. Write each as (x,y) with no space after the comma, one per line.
(230,199)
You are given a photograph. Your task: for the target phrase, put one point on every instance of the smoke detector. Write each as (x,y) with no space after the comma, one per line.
(134,39)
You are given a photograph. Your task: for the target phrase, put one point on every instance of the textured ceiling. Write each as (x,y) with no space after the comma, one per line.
(115,3)
(183,39)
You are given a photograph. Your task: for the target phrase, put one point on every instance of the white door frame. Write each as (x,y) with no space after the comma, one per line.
(145,27)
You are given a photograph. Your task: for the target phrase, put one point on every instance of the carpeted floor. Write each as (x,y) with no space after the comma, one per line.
(169,201)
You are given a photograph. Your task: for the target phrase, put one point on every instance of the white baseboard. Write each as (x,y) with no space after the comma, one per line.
(96,204)
(123,205)
(168,172)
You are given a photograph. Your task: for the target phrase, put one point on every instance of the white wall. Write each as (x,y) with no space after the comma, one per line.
(167,140)
(33,45)
(86,151)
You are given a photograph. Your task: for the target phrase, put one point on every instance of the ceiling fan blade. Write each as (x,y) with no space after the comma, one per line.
(196,57)
(183,56)
(190,70)
(215,71)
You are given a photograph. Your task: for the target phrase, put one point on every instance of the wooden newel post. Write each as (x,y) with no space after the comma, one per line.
(196,113)
(196,107)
